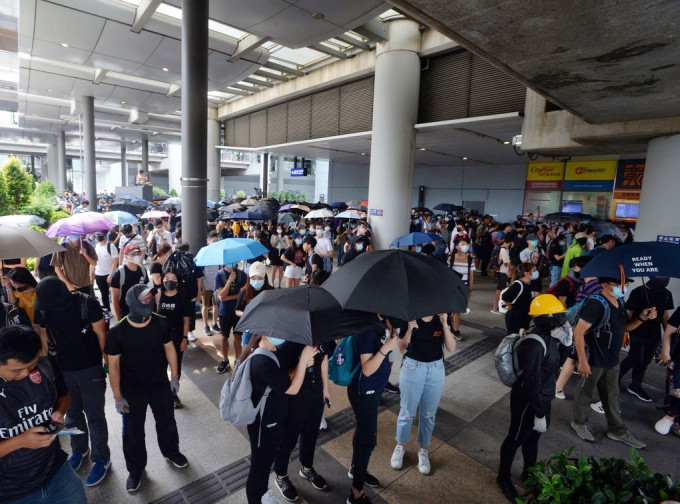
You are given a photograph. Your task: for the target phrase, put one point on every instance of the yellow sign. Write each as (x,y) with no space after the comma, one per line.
(590,170)
(545,171)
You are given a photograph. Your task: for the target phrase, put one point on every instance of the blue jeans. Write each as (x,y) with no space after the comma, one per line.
(421,384)
(65,487)
(555,272)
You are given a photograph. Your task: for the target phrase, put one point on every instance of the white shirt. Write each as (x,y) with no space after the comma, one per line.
(323,246)
(104,259)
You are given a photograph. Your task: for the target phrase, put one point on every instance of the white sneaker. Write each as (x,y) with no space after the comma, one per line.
(423,461)
(559,394)
(324,424)
(664,425)
(269,498)
(191,337)
(597,407)
(397,457)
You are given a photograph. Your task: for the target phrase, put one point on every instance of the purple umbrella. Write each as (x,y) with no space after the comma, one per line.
(285,207)
(80,224)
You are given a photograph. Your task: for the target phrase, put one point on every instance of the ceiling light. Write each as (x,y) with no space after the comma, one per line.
(363,153)
(63,44)
(165,69)
(49,90)
(464,158)
(123,102)
(318,16)
(421,148)
(506,142)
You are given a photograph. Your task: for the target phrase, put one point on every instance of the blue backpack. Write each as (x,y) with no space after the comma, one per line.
(344,364)
(574,314)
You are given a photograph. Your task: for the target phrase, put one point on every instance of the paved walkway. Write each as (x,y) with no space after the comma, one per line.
(471,424)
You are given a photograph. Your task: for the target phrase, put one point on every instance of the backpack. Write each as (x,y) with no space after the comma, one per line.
(236,403)
(572,286)
(121,270)
(574,314)
(328,264)
(241,279)
(344,363)
(51,339)
(501,303)
(11,314)
(506,357)
(495,261)
(183,263)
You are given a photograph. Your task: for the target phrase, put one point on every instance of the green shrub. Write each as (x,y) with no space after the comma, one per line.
(157,191)
(45,189)
(42,207)
(18,184)
(240,194)
(223,194)
(173,193)
(58,214)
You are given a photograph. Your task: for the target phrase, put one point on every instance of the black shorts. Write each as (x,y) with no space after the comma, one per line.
(227,323)
(501,281)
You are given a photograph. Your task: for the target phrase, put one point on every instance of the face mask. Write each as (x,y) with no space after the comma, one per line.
(303,231)
(170,285)
(464,248)
(359,247)
(22,288)
(327,228)
(534,275)
(419,249)
(279,231)
(257,284)
(74,238)
(362,229)
(617,292)
(135,260)
(534,243)
(577,274)
(319,232)
(275,341)
(298,241)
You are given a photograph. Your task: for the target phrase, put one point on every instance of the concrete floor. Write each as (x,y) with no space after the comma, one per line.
(472,422)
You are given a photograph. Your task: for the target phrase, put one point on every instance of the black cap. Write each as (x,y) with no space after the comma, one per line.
(52,292)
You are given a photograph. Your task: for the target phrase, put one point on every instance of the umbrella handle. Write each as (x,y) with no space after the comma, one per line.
(622,272)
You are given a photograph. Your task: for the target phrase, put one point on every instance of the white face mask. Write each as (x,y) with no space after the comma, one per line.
(464,248)
(136,260)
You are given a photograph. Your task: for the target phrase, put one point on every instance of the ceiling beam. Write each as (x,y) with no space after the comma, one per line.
(258,82)
(374,30)
(99,74)
(271,75)
(354,42)
(250,89)
(173,89)
(283,68)
(145,10)
(246,45)
(236,91)
(327,50)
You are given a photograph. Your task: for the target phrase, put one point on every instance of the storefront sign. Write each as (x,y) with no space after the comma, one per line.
(589,175)
(544,185)
(627,195)
(298,172)
(376,212)
(668,239)
(629,174)
(545,176)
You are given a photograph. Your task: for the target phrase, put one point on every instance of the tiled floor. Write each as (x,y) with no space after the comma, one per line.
(472,422)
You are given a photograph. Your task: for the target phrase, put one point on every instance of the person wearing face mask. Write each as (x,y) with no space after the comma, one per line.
(294,257)
(228,284)
(20,285)
(645,338)
(314,261)
(139,349)
(257,236)
(158,235)
(156,266)
(575,250)
(173,305)
(131,273)
(518,298)
(533,255)
(279,243)
(324,246)
(73,265)
(534,389)
(107,263)
(129,236)
(267,372)
(258,282)
(462,264)
(358,248)
(601,325)
(670,356)
(556,253)
(340,240)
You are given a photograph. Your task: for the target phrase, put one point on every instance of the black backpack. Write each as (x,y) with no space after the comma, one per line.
(183,264)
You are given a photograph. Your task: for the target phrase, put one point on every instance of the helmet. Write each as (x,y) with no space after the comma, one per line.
(546,304)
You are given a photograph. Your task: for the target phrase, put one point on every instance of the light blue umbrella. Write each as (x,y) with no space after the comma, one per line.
(411,239)
(229,251)
(119,217)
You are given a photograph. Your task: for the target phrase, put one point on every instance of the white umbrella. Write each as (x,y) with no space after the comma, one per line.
(22,220)
(22,242)
(322,213)
(348,214)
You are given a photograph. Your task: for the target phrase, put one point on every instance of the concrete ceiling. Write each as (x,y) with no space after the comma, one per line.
(604,61)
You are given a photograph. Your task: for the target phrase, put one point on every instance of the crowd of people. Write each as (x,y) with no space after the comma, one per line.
(60,338)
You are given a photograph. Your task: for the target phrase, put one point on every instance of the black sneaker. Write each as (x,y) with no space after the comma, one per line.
(369,480)
(639,393)
(133,482)
(224,367)
(176,403)
(361,500)
(206,331)
(287,489)
(391,389)
(179,460)
(506,486)
(314,478)
(457,335)
(216,329)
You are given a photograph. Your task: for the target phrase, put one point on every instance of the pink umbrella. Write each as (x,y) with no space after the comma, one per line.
(80,224)
(155,214)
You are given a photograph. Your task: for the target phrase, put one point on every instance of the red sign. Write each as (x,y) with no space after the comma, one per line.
(544,185)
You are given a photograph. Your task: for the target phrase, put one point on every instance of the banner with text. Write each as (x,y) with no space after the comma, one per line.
(589,175)
(544,176)
(629,176)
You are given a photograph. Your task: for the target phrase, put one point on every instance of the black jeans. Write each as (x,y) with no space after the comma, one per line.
(521,434)
(103,286)
(263,448)
(641,353)
(87,388)
(365,407)
(134,444)
(304,417)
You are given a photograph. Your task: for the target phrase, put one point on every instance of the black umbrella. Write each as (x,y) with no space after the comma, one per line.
(319,206)
(173,202)
(421,210)
(128,206)
(399,284)
(448,207)
(305,314)
(268,208)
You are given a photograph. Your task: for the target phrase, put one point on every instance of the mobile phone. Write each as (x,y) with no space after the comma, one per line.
(327,401)
(53,429)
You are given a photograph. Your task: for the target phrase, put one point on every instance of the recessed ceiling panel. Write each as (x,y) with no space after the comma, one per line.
(49,84)
(166,55)
(343,12)
(100,92)
(131,97)
(57,24)
(54,51)
(119,41)
(42,110)
(295,27)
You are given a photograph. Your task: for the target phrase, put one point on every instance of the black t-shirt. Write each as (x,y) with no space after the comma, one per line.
(174,309)
(567,287)
(674,321)
(313,259)
(131,278)
(523,302)
(143,365)
(155,268)
(426,341)
(76,342)
(298,257)
(289,355)
(369,343)
(265,373)
(604,350)
(25,404)
(640,298)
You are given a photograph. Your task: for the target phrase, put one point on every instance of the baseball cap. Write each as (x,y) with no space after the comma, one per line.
(532,237)
(580,235)
(257,269)
(131,248)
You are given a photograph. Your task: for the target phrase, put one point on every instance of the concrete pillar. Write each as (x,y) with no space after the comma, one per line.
(279,173)
(89,161)
(214,169)
(264,174)
(145,154)
(659,202)
(60,172)
(321,174)
(123,165)
(49,168)
(175,167)
(395,111)
(194,121)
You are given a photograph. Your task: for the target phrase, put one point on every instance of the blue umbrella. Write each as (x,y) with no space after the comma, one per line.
(414,239)
(210,204)
(248,215)
(229,251)
(638,259)
(119,217)
(339,204)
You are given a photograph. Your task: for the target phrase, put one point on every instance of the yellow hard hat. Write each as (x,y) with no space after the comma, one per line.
(546,304)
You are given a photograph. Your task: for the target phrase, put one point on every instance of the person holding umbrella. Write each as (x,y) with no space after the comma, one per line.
(20,285)
(258,283)
(228,283)
(73,265)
